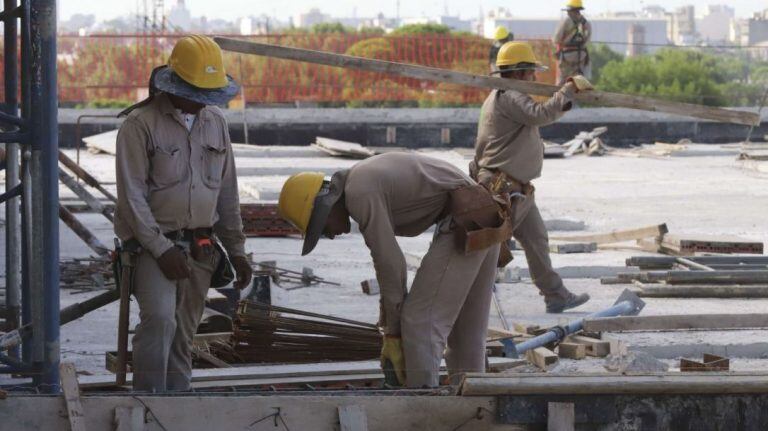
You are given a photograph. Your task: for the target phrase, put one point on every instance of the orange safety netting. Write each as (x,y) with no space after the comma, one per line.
(115,68)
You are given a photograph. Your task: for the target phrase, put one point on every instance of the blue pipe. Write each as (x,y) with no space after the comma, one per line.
(628,304)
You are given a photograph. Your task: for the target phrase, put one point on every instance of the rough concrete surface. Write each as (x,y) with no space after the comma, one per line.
(702,191)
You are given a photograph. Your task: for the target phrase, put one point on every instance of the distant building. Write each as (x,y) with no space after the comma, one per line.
(77,23)
(179,17)
(757,28)
(682,29)
(313,17)
(714,24)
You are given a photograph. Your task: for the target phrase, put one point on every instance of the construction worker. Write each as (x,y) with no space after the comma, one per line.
(500,37)
(404,194)
(177,202)
(571,39)
(509,154)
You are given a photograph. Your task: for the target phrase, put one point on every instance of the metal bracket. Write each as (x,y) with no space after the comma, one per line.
(637,303)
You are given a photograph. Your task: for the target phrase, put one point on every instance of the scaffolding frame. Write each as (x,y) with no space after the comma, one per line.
(29,133)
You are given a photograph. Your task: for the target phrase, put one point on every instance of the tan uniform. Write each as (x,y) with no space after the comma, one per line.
(571,39)
(400,194)
(508,141)
(171,178)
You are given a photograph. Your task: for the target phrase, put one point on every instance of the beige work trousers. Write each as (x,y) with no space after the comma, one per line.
(448,305)
(569,68)
(531,232)
(169,313)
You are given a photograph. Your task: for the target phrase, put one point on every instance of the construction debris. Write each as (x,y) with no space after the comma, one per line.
(709,363)
(86,274)
(582,141)
(635,362)
(263,219)
(370,286)
(336,148)
(305,278)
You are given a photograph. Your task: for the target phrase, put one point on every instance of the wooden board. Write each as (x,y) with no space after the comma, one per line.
(593,346)
(573,247)
(71,389)
(617,235)
(352,418)
(702,291)
(673,322)
(484,81)
(572,350)
(336,148)
(541,357)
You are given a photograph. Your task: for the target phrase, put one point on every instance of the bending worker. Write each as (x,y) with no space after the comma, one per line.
(404,194)
(509,154)
(176,198)
(500,37)
(571,39)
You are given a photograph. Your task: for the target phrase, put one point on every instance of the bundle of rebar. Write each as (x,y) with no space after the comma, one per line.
(269,333)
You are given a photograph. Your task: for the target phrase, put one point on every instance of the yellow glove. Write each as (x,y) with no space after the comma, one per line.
(581,83)
(392,351)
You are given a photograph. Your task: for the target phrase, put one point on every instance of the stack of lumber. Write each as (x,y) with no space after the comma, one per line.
(271,334)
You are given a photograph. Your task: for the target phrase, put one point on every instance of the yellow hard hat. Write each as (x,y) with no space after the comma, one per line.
(501,33)
(517,54)
(198,61)
(297,198)
(574,4)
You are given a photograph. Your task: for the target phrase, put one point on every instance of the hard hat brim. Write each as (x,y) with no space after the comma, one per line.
(321,210)
(167,81)
(537,67)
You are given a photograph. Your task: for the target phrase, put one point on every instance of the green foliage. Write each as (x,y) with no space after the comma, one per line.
(599,56)
(415,29)
(331,28)
(687,76)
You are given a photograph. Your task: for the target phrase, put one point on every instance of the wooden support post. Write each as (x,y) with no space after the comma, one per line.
(572,350)
(71,390)
(130,419)
(561,417)
(352,418)
(541,357)
(484,81)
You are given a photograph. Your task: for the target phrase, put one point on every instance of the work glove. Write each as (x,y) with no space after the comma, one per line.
(581,83)
(243,271)
(173,263)
(392,352)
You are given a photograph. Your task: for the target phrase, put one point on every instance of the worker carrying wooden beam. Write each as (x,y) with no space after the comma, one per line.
(509,154)
(571,39)
(404,194)
(176,199)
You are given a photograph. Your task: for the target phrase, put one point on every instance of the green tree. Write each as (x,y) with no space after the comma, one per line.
(599,56)
(331,27)
(416,29)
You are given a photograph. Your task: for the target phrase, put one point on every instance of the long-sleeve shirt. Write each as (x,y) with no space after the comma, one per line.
(508,137)
(397,194)
(573,35)
(170,177)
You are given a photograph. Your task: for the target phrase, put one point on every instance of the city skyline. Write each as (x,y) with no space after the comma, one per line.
(233,9)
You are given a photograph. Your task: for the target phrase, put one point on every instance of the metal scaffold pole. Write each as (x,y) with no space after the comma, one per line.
(44,269)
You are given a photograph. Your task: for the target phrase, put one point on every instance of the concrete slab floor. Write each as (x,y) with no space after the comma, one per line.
(701,191)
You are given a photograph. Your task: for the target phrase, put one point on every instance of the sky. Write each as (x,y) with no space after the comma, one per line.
(231,9)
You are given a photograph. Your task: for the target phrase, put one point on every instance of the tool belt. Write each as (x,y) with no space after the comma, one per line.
(481,219)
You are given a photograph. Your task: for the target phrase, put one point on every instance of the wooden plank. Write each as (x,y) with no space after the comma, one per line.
(659,383)
(494,334)
(484,81)
(703,291)
(561,417)
(353,418)
(71,390)
(541,357)
(675,322)
(593,346)
(572,350)
(573,247)
(338,148)
(129,419)
(616,235)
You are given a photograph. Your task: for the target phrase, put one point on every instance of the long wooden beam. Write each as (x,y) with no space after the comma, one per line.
(617,235)
(675,322)
(483,81)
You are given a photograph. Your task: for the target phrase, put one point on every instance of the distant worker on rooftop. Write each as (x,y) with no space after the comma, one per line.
(500,37)
(571,39)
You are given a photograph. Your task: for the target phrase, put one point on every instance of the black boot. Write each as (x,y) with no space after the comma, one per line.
(564,300)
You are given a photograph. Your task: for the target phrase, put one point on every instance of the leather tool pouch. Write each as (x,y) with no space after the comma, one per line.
(481,221)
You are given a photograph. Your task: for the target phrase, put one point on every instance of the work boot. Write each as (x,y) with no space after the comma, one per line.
(564,300)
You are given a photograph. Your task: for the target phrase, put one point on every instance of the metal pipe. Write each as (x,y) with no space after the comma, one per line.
(26,201)
(45,166)
(628,304)
(12,179)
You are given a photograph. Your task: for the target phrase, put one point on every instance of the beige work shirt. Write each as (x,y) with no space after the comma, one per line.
(171,178)
(508,137)
(564,35)
(397,194)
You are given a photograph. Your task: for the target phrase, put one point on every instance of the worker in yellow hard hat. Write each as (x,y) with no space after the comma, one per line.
(445,312)
(500,36)
(177,212)
(509,154)
(571,39)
